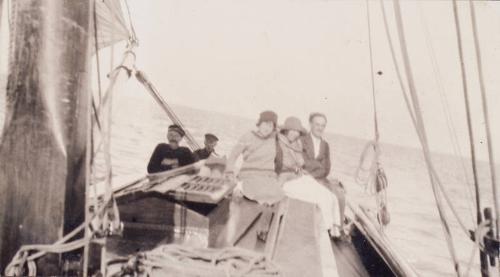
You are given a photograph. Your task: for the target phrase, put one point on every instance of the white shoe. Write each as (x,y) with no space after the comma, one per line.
(334,232)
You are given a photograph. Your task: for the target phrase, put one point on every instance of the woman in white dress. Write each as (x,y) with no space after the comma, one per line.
(299,185)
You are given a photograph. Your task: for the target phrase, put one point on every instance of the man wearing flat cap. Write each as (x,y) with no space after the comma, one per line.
(210,143)
(172,155)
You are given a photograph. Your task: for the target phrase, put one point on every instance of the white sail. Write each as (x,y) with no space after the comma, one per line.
(110,21)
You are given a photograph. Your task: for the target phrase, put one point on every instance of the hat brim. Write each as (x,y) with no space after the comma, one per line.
(259,122)
(302,131)
(181,133)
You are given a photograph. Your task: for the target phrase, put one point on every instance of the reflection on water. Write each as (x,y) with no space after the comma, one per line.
(139,124)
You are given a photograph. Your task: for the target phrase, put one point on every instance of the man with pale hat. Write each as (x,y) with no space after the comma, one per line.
(209,149)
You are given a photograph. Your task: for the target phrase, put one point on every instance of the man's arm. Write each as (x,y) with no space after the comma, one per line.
(196,156)
(189,157)
(154,164)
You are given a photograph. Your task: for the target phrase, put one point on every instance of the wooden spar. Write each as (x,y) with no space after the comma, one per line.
(141,77)
(43,146)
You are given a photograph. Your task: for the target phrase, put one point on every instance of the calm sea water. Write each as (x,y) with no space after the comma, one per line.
(139,124)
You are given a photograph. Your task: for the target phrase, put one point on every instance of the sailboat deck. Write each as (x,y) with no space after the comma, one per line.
(292,243)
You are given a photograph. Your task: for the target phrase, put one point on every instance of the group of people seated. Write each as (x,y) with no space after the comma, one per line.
(278,161)
(172,155)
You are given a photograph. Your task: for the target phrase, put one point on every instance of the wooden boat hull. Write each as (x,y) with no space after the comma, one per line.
(292,241)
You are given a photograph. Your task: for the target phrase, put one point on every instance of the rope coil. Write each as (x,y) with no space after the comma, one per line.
(365,174)
(374,181)
(23,257)
(230,261)
(373,177)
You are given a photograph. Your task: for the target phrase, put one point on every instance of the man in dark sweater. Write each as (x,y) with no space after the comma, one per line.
(172,155)
(210,143)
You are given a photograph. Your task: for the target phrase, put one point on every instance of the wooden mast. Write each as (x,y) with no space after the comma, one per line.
(43,146)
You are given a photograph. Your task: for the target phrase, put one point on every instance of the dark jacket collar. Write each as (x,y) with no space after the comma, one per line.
(309,147)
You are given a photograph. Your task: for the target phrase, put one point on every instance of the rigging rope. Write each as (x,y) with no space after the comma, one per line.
(23,256)
(90,147)
(484,101)
(396,65)
(423,137)
(415,125)
(467,107)
(133,38)
(449,120)
(373,178)
(98,66)
(100,154)
(372,75)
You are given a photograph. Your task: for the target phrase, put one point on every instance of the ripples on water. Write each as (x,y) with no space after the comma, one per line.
(139,124)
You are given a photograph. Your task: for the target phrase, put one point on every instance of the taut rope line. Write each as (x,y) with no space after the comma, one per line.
(484,102)
(412,115)
(448,116)
(467,107)
(423,135)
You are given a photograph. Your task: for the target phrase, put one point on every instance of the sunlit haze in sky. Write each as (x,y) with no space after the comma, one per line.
(300,56)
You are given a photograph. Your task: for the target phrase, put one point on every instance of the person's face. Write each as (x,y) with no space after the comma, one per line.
(210,145)
(318,125)
(266,128)
(173,139)
(292,135)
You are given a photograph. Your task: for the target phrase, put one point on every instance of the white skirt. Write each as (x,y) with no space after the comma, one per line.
(307,189)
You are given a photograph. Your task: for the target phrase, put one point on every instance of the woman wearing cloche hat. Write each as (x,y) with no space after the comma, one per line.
(297,183)
(258,171)
(291,148)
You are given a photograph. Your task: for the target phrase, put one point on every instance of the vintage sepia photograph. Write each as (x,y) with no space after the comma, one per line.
(259,138)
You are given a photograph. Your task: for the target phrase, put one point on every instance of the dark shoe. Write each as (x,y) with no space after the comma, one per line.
(262,235)
(345,237)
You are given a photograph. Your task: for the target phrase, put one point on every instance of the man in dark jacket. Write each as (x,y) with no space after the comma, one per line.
(317,158)
(172,155)
(210,143)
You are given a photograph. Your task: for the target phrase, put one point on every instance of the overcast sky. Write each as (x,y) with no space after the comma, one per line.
(299,56)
